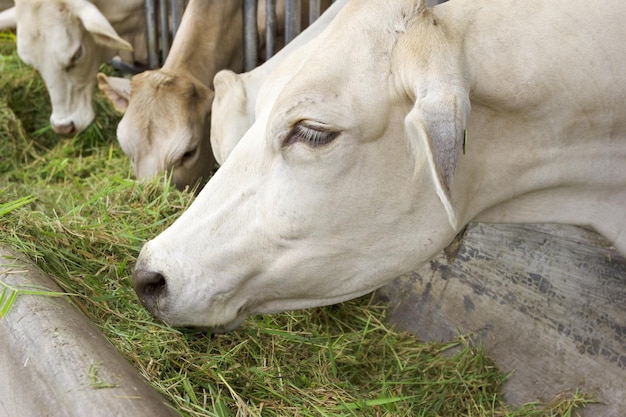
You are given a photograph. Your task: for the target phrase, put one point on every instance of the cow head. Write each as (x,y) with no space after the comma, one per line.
(66,41)
(165,127)
(342,183)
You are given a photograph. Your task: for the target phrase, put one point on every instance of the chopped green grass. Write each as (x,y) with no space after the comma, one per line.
(72,206)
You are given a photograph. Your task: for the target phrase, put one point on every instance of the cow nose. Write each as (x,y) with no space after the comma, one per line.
(149,286)
(66,129)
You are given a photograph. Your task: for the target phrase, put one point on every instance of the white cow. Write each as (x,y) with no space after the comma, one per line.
(67,40)
(358,169)
(235,98)
(365,162)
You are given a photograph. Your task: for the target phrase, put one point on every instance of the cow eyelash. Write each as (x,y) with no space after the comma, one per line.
(188,155)
(309,136)
(77,54)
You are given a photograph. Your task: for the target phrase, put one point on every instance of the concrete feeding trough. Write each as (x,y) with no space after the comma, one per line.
(56,362)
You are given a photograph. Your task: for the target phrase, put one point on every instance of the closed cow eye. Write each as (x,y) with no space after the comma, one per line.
(77,54)
(313,137)
(188,155)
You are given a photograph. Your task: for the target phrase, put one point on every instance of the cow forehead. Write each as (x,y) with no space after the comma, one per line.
(339,83)
(158,91)
(31,15)
(164,115)
(46,28)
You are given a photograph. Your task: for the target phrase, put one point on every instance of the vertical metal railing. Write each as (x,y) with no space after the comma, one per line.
(165,29)
(162,22)
(293,10)
(151,34)
(178,8)
(292,26)
(314,10)
(271,28)
(250,34)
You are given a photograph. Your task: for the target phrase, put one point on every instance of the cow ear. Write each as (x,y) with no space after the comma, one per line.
(116,90)
(436,124)
(429,63)
(231,93)
(8,20)
(226,81)
(100,28)
(230,117)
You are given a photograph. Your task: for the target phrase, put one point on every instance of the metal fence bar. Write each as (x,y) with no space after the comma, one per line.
(314,10)
(178,8)
(151,34)
(164,27)
(270,28)
(163,19)
(250,37)
(292,19)
(159,32)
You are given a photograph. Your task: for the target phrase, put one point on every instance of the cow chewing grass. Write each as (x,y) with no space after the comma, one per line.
(85,228)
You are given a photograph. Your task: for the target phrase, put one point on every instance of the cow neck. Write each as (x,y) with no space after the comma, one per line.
(209,39)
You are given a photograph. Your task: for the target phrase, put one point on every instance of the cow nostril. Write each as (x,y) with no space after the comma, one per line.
(149,286)
(153,290)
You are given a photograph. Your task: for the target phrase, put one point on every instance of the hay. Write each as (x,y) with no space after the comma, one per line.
(72,206)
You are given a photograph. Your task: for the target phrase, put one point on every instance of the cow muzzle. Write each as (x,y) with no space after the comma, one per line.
(66,129)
